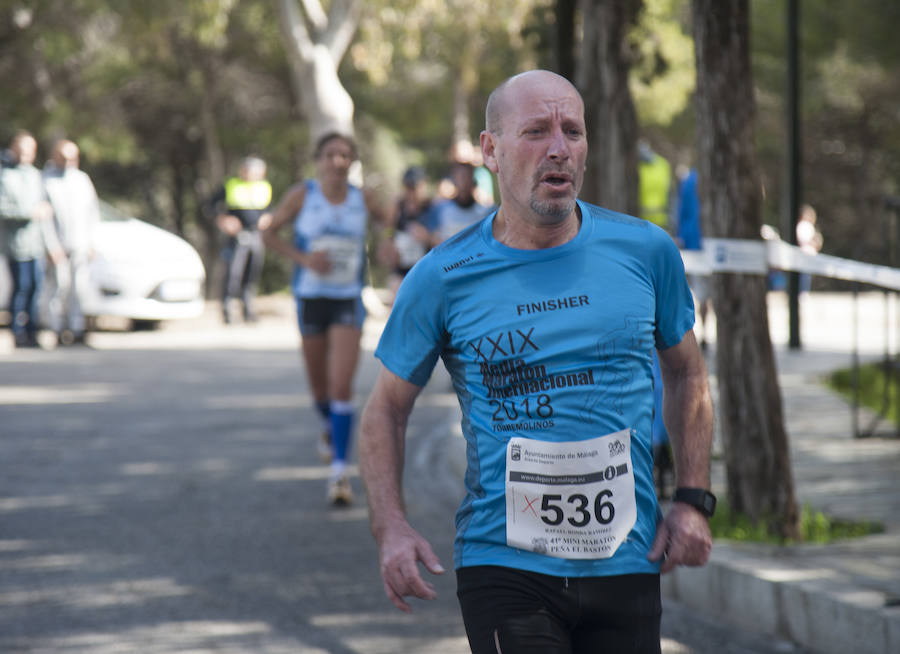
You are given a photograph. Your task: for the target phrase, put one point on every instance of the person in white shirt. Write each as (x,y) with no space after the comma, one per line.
(809,239)
(76,211)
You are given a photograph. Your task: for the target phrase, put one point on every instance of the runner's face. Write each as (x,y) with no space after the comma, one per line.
(334,160)
(541,151)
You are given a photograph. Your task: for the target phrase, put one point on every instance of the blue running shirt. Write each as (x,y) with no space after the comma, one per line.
(549,348)
(340,230)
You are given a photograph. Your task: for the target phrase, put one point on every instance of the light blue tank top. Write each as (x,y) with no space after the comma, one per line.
(339,230)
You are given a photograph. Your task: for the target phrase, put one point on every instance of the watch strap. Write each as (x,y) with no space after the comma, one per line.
(699,498)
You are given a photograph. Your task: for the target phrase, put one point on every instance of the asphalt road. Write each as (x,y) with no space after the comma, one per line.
(161,493)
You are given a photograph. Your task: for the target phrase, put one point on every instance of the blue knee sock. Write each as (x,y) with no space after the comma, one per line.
(341,425)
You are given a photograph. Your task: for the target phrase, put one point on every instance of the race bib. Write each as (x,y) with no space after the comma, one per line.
(409,250)
(346,256)
(572,500)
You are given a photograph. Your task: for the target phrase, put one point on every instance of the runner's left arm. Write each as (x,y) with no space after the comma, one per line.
(683,538)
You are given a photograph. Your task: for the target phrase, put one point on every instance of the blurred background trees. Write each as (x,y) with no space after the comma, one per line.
(165,97)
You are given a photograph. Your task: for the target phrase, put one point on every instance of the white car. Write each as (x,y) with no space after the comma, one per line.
(139,271)
(143,272)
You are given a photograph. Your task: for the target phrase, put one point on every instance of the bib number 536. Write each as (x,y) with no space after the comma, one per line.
(570,499)
(553,509)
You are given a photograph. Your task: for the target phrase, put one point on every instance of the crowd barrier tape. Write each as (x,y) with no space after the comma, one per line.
(759,257)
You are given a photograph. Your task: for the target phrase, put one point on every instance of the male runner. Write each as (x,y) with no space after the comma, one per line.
(546,314)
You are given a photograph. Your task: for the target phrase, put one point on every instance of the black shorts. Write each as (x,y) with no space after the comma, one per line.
(519,612)
(316,315)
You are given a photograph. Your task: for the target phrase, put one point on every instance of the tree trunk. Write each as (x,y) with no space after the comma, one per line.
(215,155)
(461,127)
(757,455)
(465,82)
(564,39)
(611,177)
(215,174)
(315,44)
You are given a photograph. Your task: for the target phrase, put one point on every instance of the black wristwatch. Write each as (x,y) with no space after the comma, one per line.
(699,498)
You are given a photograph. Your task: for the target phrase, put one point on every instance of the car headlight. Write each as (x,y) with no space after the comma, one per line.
(177,290)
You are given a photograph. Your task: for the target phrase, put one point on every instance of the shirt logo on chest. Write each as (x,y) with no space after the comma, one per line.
(505,343)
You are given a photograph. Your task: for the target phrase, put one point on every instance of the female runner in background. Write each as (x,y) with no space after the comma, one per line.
(329,217)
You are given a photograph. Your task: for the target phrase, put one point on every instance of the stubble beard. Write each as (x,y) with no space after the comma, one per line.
(554,210)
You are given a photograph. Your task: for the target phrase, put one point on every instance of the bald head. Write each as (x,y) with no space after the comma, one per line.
(252,169)
(500,99)
(535,141)
(65,154)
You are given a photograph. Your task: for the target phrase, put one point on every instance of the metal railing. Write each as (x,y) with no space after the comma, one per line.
(762,256)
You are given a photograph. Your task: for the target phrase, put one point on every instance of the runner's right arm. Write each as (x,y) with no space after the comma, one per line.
(381,455)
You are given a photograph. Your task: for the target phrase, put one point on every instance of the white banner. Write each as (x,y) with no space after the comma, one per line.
(758,257)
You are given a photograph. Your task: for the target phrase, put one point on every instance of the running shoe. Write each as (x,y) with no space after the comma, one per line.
(339,492)
(324,446)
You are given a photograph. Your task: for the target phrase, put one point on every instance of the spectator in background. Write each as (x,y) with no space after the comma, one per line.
(654,185)
(26,235)
(407,238)
(464,152)
(7,158)
(689,236)
(241,207)
(452,216)
(776,279)
(809,239)
(76,211)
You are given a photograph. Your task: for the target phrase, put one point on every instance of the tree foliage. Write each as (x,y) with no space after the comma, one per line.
(165,97)
(662,76)
(443,55)
(849,55)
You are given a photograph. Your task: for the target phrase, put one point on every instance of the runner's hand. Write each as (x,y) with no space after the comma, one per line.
(318,262)
(682,538)
(229,224)
(401,548)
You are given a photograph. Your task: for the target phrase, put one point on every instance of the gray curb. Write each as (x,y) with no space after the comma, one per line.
(814,607)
